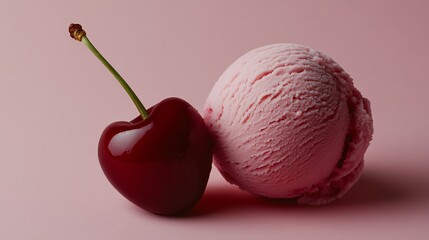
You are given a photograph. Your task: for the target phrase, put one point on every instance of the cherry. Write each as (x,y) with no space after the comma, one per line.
(161,160)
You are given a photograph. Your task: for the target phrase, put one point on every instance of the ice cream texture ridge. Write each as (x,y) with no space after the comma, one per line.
(287,122)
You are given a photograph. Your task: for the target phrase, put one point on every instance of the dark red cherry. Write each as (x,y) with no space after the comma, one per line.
(162,163)
(161,160)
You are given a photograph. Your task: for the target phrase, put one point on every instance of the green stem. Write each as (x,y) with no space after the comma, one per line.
(136,100)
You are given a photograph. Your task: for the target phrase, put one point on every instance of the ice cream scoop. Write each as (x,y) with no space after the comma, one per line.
(287,122)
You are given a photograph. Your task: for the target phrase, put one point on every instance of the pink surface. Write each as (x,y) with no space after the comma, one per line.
(56,99)
(287,122)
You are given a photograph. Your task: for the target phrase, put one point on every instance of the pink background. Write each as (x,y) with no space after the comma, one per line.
(56,98)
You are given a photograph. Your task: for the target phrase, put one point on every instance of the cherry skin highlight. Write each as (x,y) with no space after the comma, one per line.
(162,163)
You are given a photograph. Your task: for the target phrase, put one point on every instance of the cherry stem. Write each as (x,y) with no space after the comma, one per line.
(79,34)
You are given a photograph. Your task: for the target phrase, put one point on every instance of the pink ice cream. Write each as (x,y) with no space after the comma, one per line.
(288,123)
